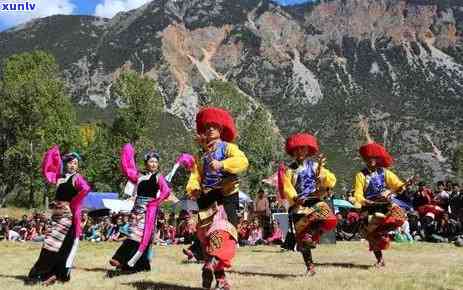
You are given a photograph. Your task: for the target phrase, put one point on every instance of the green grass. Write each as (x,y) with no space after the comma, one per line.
(343,266)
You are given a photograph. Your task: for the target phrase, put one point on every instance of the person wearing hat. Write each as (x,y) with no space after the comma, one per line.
(214,184)
(134,255)
(304,185)
(61,242)
(373,187)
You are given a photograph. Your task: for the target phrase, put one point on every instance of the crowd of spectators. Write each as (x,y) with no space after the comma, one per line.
(434,216)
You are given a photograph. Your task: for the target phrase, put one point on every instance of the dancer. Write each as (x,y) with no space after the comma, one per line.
(134,254)
(304,185)
(61,243)
(373,192)
(214,183)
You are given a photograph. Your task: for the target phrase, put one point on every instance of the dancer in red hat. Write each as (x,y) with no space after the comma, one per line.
(214,183)
(373,189)
(305,185)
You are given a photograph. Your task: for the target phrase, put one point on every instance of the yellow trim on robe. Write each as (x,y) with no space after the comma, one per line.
(328,180)
(235,163)
(393,183)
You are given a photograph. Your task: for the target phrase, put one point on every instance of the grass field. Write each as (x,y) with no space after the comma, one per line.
(343,266)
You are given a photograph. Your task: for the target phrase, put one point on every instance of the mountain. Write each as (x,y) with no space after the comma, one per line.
(314,66)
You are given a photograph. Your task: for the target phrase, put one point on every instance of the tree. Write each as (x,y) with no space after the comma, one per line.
(101,159)
(140,104)
(141,121)
(36,113)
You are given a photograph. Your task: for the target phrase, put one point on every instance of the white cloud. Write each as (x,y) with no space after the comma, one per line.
(42,8)
(109,8)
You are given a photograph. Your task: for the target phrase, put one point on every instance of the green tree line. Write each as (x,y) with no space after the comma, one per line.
(36,112)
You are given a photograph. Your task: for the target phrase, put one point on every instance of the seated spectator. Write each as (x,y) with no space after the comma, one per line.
(3,229)
(93,234)
(402,234)
(166,234)
(41,230)
(186,227)
(423,196)
(243,232)
(441,198)
(448,228)
(429,229)
(255,235)
(276,237)
(31,232)
(456,203)
(23,222)
(415,225)
(172,220)
(107,229)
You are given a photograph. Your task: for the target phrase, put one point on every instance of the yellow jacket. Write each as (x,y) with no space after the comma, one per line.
(393,183)
(235,162)
(327,180)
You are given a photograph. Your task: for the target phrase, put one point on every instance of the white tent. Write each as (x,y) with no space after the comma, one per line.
(117,205)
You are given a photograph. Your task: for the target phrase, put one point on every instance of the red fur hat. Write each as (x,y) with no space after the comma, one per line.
(221,117)
(302,140)
(375,150)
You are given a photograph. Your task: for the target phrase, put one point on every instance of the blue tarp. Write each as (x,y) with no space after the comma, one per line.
(402,204)
(94,200)
(341,203)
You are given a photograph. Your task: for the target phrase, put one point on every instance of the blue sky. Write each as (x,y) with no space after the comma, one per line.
(105,8)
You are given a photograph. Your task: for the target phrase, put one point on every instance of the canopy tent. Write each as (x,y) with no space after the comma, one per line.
(244,198)
(94,200)
(341,203)
(117,205)
(97,201)
(402,204)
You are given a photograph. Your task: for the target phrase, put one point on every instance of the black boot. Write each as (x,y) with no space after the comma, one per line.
(307,255)
(208,272)
(379,259)
(222,283)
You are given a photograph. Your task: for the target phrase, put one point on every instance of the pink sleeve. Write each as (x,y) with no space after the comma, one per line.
(51,165)
(186,160)
(164,189)
(83,189)
(128,166)
(150,224)
(150,216)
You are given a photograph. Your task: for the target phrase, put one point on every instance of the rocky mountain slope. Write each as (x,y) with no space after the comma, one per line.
(315,67)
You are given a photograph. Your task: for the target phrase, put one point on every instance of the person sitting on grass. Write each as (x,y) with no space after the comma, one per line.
(276,238)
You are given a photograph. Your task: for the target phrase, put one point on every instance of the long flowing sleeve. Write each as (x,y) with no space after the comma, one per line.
(82,187)
(359,185)
(52,165)
(393,182)
(194,182)
(164,189)
(289,190)
(128,165)
(150,218)
(236,162)
(186,160)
